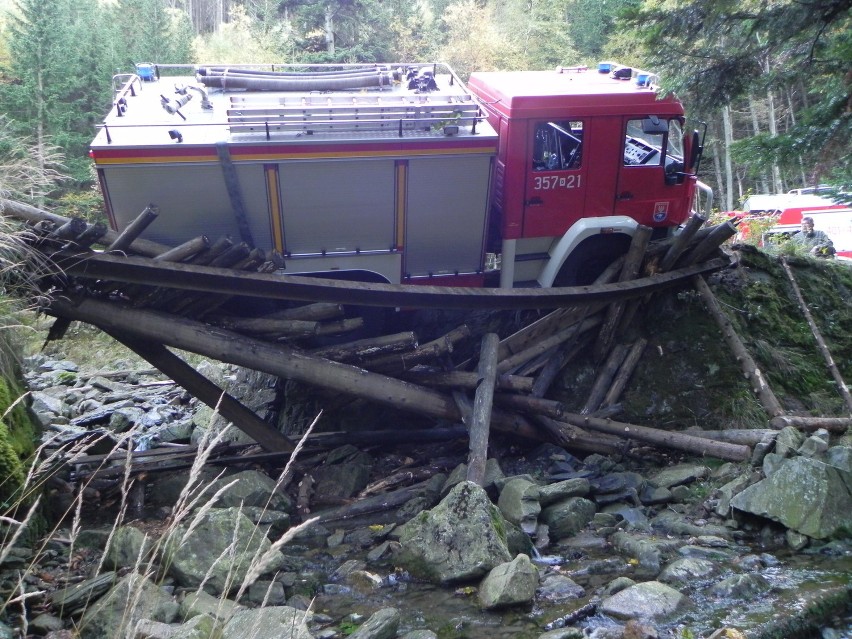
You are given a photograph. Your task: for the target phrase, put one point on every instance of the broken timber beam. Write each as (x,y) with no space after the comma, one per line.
(247,421)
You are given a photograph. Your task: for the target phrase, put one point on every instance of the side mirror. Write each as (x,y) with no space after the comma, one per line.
(695,151)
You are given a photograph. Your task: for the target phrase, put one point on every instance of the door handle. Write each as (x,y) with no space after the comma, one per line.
(534,201)
(625,195)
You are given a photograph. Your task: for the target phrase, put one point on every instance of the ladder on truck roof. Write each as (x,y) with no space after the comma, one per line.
(315,113)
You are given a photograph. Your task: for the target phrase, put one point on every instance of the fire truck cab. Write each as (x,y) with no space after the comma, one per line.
(584,157)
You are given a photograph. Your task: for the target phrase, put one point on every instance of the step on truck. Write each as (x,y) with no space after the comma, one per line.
(402,173)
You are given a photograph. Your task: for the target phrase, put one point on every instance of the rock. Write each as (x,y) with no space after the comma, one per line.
(840,457)
(740,586)
(252,488)
(133,598)
(199,627)
(383,624)
(563,633)
(808,496)
(788,440)
(69,600)
(275,622)
(276,521)
(267,593)
(727,492)
(147,629)
(679,475)
(646,600)
(336,482)
(206,555)
(568,517)
(198,603)
(45,623)
(509,584)
(686,570)
(519,503)
(814,446)
(461,539)
(419,634)
(129,546)
(561,490)
(555,589)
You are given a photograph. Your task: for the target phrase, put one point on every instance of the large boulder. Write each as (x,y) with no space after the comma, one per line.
(461,539)
(218,552)
(805,495)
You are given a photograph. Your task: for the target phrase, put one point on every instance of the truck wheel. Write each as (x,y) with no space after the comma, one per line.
(590,259)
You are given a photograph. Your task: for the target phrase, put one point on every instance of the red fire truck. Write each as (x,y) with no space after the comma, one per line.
(401,173)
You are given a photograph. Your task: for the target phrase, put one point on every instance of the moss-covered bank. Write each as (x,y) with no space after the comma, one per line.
(18,436)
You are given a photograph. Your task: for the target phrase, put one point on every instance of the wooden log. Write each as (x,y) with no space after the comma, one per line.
(365,348)
(630,270)
(566,352)
(531,405)
(719,234)
(437,347)
(744,436)
(309,312)
(467,380)
(662,438)
(263,356)
(823,347)
(262,326)
(218,247)
(230,256)
(481,415)
(208,392)
(624,372)
(574,438)
(346,325)
(93,234)
(749,367)
(70,230)
(134,229)
(837,425)
(25,212)
(543,345)
(681,241)
(604,379)
(184,251)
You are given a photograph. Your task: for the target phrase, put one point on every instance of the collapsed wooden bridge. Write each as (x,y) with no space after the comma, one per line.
(151,297)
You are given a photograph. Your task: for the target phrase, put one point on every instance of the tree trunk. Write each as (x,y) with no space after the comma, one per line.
(329,29)
(729,172)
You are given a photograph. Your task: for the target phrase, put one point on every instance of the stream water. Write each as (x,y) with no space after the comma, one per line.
(796,583)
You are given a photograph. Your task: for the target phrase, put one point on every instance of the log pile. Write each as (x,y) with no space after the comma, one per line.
(503,388)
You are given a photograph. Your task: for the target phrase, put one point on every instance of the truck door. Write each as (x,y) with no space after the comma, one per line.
(649,189)
(556,177)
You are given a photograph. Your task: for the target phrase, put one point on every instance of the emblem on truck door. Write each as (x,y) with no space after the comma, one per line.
(661,211)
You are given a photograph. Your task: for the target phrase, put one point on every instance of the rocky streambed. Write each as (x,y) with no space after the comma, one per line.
(389,540)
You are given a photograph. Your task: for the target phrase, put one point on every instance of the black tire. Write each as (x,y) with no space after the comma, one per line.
(591,258)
